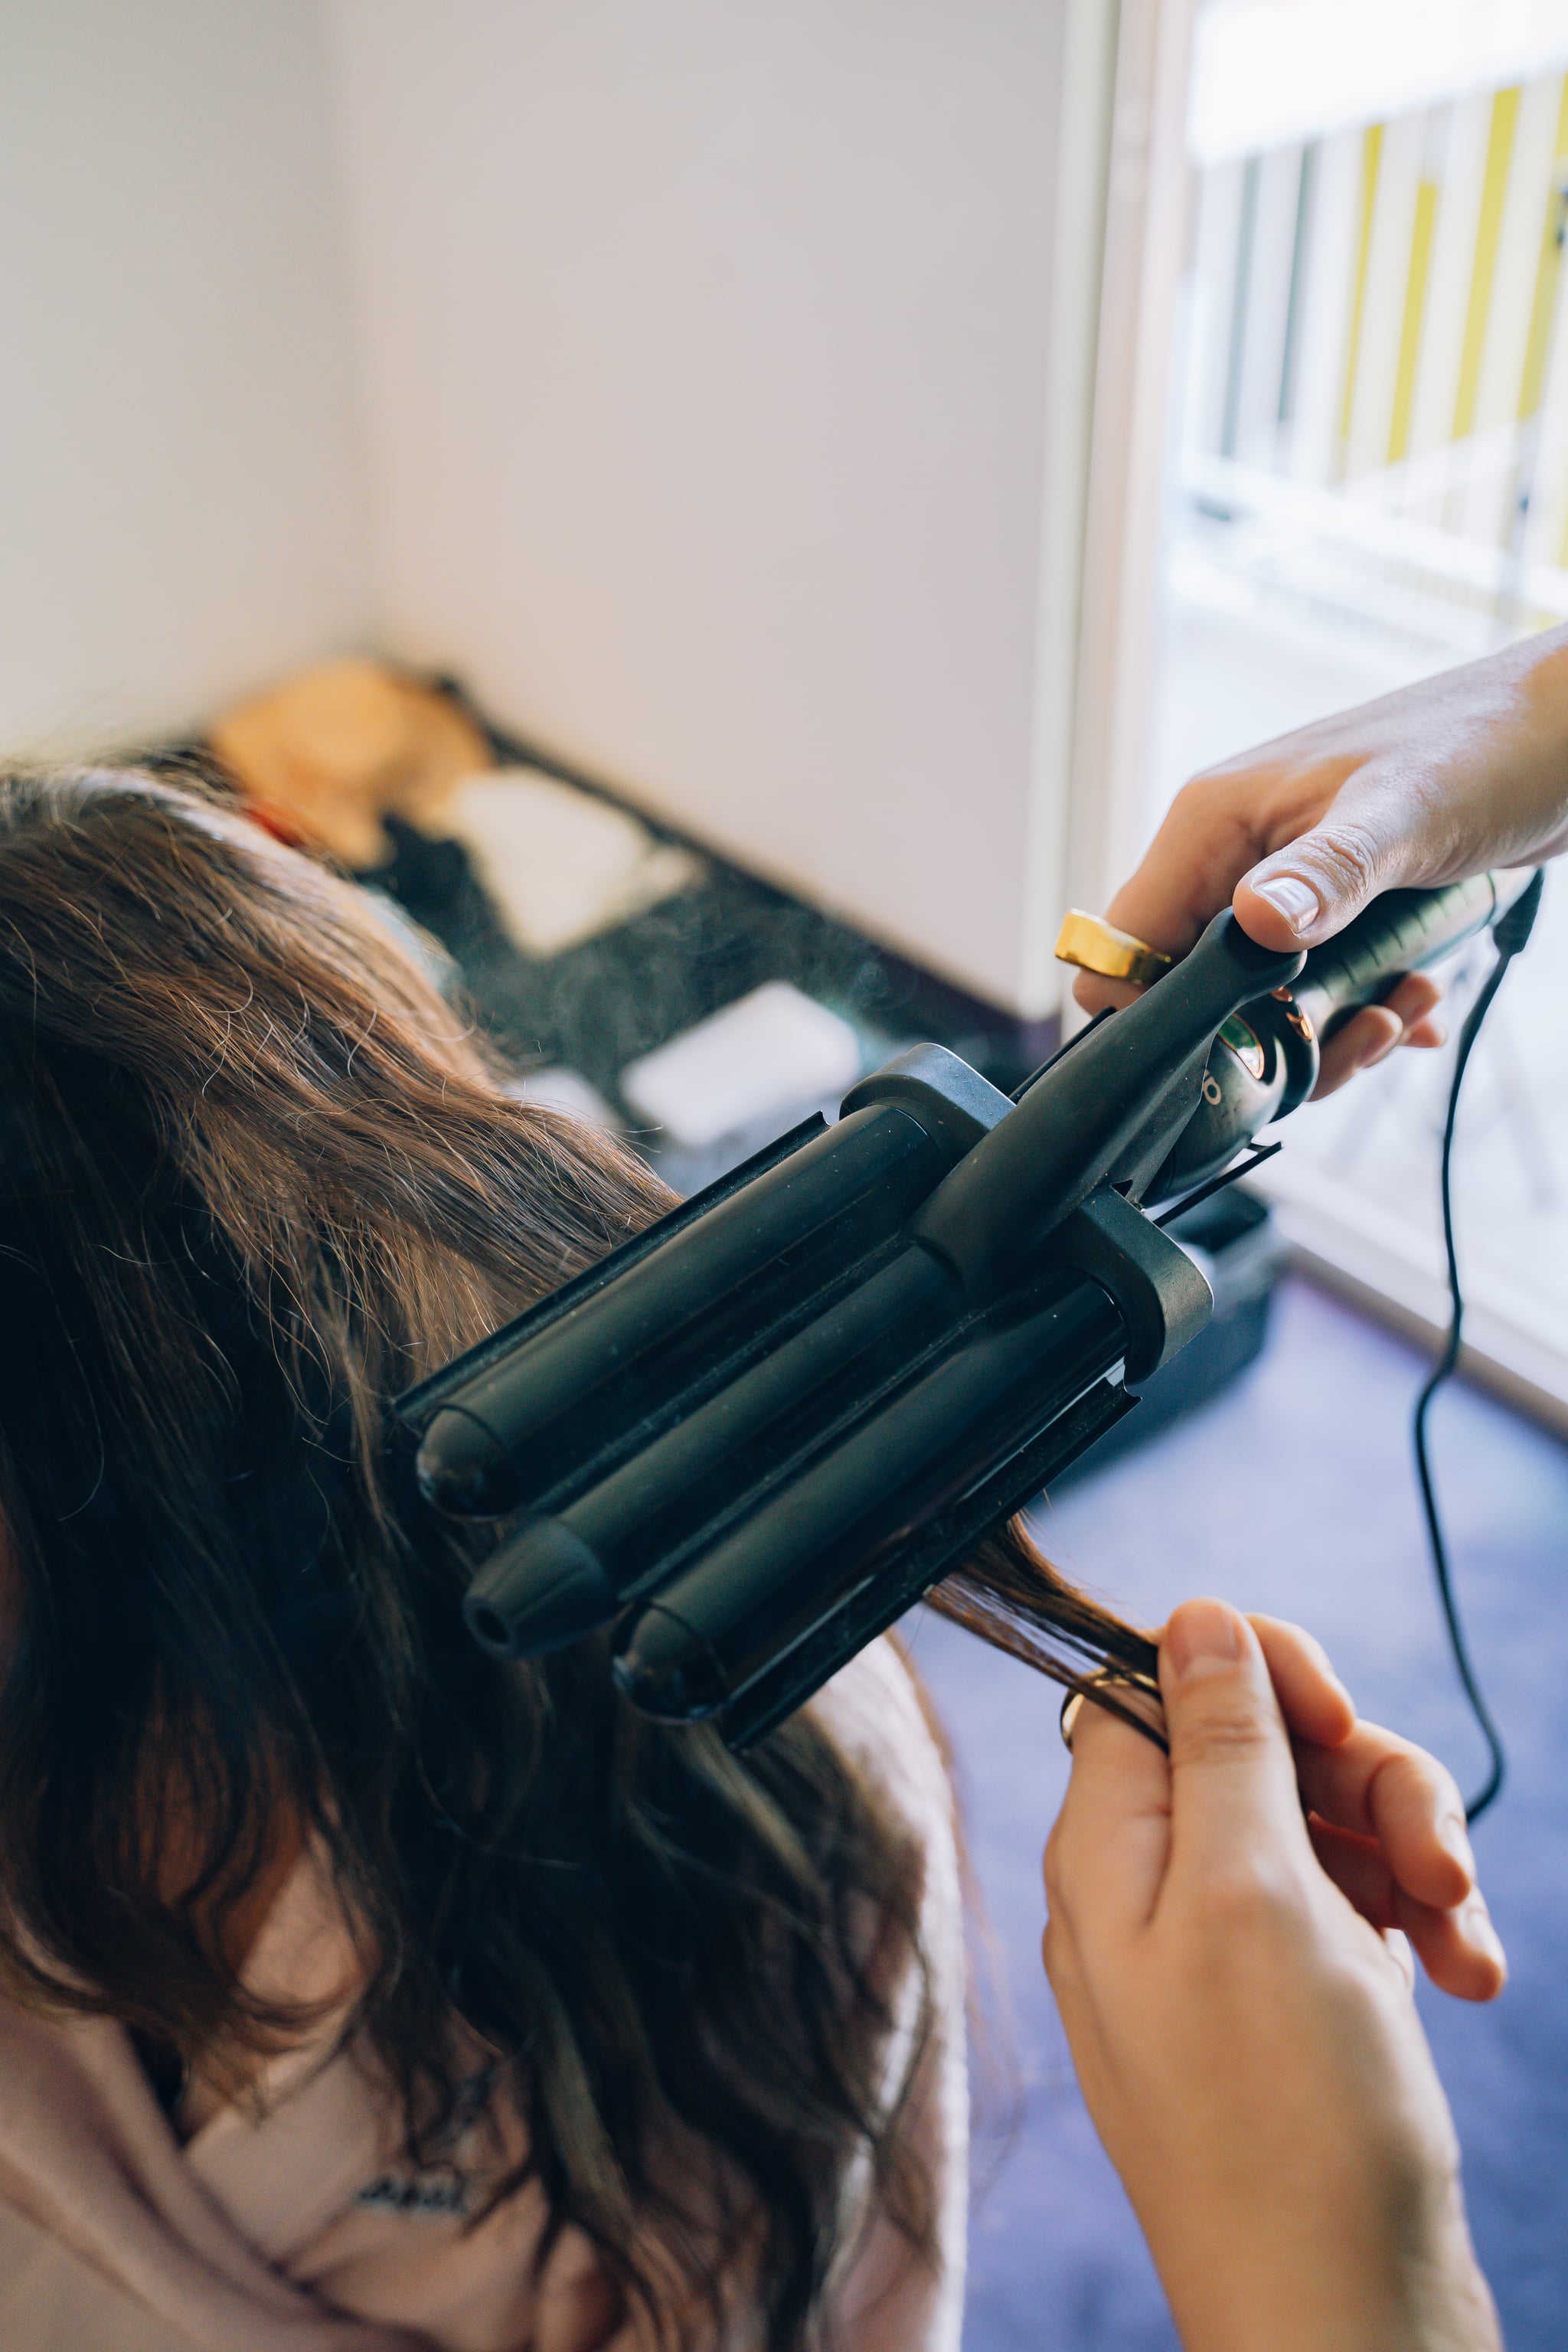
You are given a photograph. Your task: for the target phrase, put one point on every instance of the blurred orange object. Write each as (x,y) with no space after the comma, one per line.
(325,756)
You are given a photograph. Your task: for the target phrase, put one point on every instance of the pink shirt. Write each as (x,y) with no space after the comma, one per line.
(290,2223)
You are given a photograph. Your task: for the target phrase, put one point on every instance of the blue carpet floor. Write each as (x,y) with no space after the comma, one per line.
(1293,1493)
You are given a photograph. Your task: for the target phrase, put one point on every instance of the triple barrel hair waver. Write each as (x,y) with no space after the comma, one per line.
(754,1435)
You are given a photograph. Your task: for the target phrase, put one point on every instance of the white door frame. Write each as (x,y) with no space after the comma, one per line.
(1122,210)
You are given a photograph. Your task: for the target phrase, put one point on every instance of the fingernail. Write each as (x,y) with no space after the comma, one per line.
(1202,1639)
(1455,1842)
(1295,899)
(1479,1931)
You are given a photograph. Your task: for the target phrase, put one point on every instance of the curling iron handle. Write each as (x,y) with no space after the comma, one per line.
(1399,932)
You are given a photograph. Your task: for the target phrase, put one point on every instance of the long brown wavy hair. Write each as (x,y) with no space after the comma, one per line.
(255,1178)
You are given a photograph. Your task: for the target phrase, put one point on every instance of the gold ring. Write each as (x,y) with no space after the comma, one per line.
(1130,1715)
(1095,945)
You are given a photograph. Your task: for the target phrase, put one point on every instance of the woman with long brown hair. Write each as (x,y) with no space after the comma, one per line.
(358,1992)
(354,1989)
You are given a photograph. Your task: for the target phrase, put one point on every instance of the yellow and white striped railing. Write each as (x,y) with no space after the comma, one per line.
(1381,358)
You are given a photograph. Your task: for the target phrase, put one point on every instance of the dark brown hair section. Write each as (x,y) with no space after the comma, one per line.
(256,1178)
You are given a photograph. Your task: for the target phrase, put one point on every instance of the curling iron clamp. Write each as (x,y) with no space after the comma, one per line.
(757,1434)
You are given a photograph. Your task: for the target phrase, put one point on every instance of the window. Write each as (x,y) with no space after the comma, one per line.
(1368,483)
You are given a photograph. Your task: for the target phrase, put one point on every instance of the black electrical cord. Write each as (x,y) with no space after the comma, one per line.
(1508,936)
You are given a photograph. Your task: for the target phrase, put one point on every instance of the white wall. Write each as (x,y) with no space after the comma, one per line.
(705,350)
(181,503)
(697,406)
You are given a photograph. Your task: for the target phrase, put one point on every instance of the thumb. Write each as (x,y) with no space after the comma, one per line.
(1307,891)
(1233,1794)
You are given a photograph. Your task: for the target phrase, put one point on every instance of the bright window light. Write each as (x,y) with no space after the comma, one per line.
(1266,71)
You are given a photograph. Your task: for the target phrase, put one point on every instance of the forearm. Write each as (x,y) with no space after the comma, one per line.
(1312,2285)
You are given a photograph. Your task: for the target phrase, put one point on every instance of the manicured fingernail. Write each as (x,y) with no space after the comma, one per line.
(1295,899)
(1479,1932)
(1452,1839)
(1202,1638)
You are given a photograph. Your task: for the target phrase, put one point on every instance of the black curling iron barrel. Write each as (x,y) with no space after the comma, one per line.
(758,1433)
